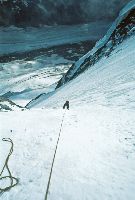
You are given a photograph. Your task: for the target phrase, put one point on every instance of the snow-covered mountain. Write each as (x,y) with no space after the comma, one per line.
(123,27)
(32,60)
(95,158)
(105,49)
(110,82)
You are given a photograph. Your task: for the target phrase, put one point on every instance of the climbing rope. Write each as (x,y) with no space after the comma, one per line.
(13,181)
(50,175)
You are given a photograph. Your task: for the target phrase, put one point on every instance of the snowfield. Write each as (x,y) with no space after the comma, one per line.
(96,153)
(95,158)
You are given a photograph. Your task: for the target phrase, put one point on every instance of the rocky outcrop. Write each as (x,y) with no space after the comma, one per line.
(8,105)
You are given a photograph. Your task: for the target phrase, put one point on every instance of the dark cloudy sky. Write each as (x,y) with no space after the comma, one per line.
(79,11)
(59,11)
(92,9)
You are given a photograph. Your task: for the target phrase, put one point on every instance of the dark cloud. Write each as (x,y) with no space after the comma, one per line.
(103,9)
(91,9)
(35,12)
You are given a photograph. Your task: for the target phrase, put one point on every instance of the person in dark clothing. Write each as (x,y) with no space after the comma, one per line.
(66,105)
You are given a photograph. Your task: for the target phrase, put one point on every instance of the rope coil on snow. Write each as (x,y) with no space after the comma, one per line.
(49,180)
(13,181)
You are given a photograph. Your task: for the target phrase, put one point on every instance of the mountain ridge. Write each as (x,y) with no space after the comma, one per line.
(120,38)
(121,28)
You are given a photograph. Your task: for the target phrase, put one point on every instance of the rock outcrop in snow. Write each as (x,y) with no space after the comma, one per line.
(7,105)
(119,31)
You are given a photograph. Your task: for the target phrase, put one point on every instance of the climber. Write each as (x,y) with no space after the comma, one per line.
(66,105)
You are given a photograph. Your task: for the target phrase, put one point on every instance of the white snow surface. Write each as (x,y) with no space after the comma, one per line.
(95,159)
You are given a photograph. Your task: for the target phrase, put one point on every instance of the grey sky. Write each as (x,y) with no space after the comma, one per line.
(94,9)
(59,11)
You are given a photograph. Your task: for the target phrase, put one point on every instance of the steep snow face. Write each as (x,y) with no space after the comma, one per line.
(95,157)
(121,29)
(109,82)
(96,153)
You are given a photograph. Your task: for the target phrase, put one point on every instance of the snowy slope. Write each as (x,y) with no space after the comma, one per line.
(120,29)
(106,49)
(110,82)
(95,159)
(96,153)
